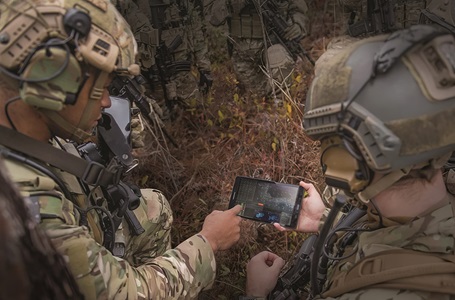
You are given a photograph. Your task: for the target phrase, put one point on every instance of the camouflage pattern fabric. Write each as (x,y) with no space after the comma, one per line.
(185,85)
(182,86)
(146,36)
(249,57)
(432,233)
(149,269)
(30,267)
(247,61)
(138,132)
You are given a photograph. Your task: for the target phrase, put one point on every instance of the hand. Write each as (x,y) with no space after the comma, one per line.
(311,210)
(292,32)
(262,273)
(222,228)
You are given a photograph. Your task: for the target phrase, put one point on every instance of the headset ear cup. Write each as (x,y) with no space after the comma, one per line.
(341,169)
(61,89)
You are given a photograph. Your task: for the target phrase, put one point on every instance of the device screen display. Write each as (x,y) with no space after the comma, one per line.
(267,201)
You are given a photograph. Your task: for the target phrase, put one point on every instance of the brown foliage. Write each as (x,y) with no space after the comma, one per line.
(236,134)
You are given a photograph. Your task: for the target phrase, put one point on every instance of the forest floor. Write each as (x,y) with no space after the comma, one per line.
(237,134)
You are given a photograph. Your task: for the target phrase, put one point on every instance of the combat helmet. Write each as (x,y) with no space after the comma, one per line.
(384,105)
(47,47)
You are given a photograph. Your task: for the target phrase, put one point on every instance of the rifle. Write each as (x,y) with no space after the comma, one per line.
(291,284)
(165,65)
(130,88)
(277,25)
(380,18)
(295,282)
(90,169)
(165,61)
(122,198)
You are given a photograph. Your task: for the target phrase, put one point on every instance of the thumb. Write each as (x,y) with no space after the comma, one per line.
(278,264)
(236,209)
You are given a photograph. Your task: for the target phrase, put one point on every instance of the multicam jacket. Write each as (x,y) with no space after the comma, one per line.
(408,260)
(149,268)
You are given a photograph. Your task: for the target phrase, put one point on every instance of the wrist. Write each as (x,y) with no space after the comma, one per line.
(212,244)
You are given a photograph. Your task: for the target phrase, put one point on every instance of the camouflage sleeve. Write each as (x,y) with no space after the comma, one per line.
(298,11)
(176,273)
(181,272)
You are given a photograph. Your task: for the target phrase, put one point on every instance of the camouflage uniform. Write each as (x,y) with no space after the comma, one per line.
(179,18)
(150,269)
(257,66)
(74,215)
(30,265)
(429,234)
(393,258)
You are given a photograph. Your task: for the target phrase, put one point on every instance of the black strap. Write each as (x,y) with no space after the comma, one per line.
(90,172)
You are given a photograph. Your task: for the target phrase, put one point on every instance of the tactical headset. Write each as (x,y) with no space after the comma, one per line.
(343,166)
(364,118)
(46,49)
(50,76)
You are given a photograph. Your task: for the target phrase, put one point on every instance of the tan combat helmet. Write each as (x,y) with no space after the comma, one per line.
(387,105)
(47,46)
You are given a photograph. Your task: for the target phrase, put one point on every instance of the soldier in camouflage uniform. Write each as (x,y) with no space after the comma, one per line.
(258,68)
(57,59)
(31,268)
(371,107)
(180,74)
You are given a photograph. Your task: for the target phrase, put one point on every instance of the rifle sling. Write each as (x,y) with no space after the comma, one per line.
(91,173)
(398,269)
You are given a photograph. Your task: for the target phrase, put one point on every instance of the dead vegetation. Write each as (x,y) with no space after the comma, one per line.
(236,134)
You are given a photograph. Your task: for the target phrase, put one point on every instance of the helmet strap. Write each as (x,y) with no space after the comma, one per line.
(96,92)
(382,184)
(75,133)
(95,95)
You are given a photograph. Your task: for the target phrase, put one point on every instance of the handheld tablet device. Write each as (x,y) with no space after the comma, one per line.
(267,201)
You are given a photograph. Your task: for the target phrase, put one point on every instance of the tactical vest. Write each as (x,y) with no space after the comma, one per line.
(246,23)
(396,269)
(45,175)
(38,186)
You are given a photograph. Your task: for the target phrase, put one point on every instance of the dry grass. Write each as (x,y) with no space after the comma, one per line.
(236,134)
